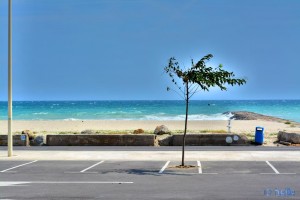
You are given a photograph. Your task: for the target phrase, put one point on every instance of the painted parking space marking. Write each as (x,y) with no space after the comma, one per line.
(11,172)
(278,174)
(18,166)
(235,167)
(5,164)
(287,167)
(58,167)
(82,182)
(84,170)
(12,183)
(70,172)
(23,183)
(132,167)
(274,169)
(176,168)
(199,167)
(164,167)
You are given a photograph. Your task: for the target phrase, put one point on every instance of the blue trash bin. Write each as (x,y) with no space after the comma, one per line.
(259,135)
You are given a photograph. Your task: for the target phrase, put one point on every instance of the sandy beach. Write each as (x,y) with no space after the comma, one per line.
(238,126)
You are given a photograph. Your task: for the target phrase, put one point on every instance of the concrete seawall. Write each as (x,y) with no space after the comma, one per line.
(210,140)
(145,140)
(100,140)
(132,140)
(18,140)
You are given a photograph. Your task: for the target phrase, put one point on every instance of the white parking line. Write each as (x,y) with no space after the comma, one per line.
(19,183)
(199,167)
(82,171)
(274,169)
(164,167)
(81,182)
(79,173)
(18,166)
(11,183)
(279,173)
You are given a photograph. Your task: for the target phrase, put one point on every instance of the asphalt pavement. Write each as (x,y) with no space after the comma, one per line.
(150,173)
(106,179)
(227,153)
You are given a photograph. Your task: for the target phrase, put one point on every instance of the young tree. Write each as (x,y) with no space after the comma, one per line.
(198,77)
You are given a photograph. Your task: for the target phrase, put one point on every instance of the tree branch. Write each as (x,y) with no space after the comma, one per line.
(194,92)
(181,95)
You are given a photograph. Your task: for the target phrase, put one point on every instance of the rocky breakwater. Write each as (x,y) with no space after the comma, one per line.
(244,115)
(288,138)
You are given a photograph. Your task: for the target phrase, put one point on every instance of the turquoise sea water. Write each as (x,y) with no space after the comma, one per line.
(147,110)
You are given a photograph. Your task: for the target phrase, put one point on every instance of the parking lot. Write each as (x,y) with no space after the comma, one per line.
(146,173)
(40,179)
(147,167)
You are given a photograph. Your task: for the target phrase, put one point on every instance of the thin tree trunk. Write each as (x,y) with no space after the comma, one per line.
(186,119)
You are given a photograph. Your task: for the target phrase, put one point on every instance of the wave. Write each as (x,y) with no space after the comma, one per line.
(71,119)
(218,116)
(154,117)
(41,113)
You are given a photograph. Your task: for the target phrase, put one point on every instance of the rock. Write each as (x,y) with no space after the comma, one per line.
(30,134)
(138,131)
(160,130)
(37,141)
(165,141)
(285,143)
(289,137)
(88,132)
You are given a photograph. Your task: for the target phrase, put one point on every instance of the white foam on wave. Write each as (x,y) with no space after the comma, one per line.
(41,113)
(218,116)
(160,117)
(71,119)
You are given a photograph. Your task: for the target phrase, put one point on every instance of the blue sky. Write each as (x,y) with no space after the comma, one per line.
(117,49)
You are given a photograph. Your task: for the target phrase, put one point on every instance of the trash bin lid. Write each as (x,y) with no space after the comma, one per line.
(259,128)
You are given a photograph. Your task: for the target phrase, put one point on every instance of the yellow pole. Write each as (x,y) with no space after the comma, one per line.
(10,138)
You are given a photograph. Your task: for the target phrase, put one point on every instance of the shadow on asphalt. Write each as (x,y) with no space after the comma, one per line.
(146,172)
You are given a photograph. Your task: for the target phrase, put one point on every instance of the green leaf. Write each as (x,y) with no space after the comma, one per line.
(202,75)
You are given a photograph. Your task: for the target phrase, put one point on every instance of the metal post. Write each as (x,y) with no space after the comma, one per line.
(229,126)
(9,113)
(229,122)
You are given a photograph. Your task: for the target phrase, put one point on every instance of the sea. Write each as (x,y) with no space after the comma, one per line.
(147,110)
